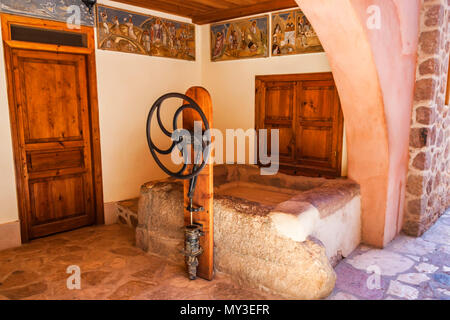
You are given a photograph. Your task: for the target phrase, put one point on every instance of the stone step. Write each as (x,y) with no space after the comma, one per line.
(127,212)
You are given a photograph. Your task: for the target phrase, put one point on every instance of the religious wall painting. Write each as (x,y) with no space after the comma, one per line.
(57,10)
(126,31)
(292,33)
(240,39)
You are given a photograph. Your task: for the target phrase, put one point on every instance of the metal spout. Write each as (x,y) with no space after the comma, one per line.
(192,248)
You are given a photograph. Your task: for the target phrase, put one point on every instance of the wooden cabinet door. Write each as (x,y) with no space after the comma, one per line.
(305,108)
(319,130)
(277,111)
(53,133)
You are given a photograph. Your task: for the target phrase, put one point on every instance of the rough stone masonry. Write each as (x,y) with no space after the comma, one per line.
(429,168)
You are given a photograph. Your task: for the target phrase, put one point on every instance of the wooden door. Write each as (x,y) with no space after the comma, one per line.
(319,131)
(278,99)
(52,93)
(305,108)
(53,127)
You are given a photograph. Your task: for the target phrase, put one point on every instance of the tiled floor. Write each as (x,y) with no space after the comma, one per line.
(112,268)
(409,268)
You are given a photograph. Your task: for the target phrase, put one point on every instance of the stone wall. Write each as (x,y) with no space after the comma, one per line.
(429,168)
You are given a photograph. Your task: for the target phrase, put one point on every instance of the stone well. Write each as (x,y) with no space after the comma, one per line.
(277,233)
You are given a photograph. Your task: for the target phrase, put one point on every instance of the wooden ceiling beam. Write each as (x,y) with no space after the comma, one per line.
(180,9)
(204,6)
(226,4)
(242,11)
(208,11)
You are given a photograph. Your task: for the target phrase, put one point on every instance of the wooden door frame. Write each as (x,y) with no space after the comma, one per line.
(89,53)
(298,77)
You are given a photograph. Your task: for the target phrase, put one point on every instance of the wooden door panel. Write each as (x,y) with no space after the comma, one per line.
(55,160)
(56,198)
(317,140)
(315,146)
(51,108)
(286,141)
(279,101)
(54,135)
(279,113)
(317,103)
(305,108)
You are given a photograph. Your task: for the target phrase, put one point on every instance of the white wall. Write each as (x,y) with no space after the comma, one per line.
(232,84)
(8,198)
(128,84)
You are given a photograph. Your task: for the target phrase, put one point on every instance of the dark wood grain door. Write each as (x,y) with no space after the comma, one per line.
(319,126)
(53,128)
(277,111)
(305,108)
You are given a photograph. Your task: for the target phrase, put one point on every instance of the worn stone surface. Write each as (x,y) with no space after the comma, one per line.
(130,290)
(162,233)
(126,251)
(330,197)
(30,271)
(108,271)
(252,174)
(158,197)
(408,268)
(255,254)
(428,181)
(327,196)
(247,246)
(18,278)
(343,296)
(401,290)
(415,246)
(26,291)
(390,263)
(127,212)
(426,268)
(94,278)
(413,278)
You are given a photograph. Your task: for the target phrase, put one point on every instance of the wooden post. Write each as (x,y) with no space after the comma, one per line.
(203,196)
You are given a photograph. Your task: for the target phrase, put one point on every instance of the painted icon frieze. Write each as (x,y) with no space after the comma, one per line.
(292,33)
(57,10)
(126,31)
(240,39)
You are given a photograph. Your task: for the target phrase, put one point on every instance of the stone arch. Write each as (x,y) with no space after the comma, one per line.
(376,108)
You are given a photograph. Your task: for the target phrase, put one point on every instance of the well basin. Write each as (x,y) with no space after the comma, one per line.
(278,233)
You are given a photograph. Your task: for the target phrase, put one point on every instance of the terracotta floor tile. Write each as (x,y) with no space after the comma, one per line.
(111,268)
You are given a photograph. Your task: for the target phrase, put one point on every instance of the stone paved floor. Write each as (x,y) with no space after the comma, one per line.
(111,268)
(409,268)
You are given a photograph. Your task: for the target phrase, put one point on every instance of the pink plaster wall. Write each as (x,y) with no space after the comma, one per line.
(374,71)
